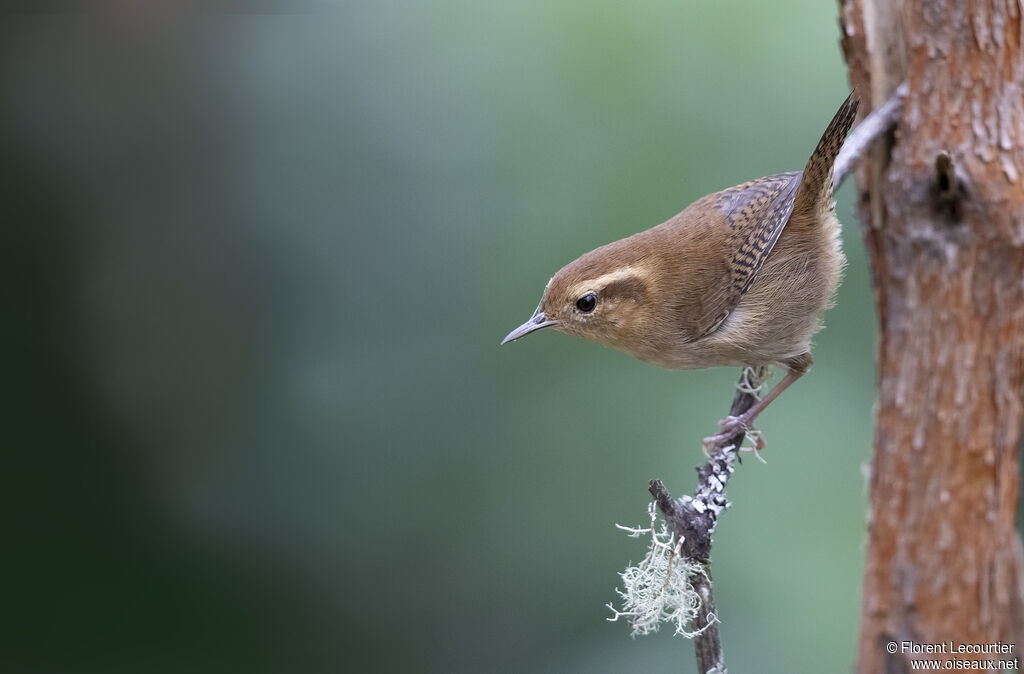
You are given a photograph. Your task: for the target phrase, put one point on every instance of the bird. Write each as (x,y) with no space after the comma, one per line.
(740,277)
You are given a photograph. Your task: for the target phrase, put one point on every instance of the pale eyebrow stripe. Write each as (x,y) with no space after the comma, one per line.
(630,271)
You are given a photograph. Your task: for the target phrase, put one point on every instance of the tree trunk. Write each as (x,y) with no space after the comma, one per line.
(942,202)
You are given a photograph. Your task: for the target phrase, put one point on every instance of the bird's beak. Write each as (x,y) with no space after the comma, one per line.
(536,322)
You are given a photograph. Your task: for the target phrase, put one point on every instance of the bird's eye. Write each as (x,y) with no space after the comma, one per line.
(587,303)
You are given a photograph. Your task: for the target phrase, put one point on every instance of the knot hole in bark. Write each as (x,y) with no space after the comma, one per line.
(949,188)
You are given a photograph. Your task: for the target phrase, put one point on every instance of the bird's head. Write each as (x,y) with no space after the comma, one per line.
(603,296)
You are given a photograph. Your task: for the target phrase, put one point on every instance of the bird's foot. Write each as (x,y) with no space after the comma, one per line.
(731,426)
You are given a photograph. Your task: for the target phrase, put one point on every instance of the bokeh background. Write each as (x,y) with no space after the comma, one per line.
(256,269)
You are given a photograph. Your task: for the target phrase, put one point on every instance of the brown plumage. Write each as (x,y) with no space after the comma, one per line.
(740,277)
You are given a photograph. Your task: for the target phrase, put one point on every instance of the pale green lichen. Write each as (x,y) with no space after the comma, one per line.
(658,589)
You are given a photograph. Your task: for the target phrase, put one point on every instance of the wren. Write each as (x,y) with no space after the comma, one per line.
(740,277)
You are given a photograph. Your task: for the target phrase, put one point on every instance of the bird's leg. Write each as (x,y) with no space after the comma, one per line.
(795,368)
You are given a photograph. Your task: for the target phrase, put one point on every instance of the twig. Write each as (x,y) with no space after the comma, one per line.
(871,127)
(693,518)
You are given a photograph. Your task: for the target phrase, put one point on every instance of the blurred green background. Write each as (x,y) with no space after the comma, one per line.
(256,269)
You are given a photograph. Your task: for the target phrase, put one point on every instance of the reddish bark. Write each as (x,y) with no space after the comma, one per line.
(946,242)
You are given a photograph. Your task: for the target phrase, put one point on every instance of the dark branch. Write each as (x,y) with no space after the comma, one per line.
(693,518)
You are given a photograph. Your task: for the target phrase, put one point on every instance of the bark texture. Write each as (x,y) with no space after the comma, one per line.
(942,202)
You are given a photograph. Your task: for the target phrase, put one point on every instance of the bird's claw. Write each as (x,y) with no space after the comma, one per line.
(731,426)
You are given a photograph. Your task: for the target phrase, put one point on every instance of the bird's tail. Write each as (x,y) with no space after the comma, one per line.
(815,191)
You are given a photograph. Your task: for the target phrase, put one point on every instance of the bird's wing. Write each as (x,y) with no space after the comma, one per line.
(755,213)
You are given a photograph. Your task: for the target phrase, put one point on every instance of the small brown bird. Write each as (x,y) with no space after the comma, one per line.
(740,277)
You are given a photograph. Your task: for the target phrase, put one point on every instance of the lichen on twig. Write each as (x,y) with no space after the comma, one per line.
(672,584)
(659,588)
